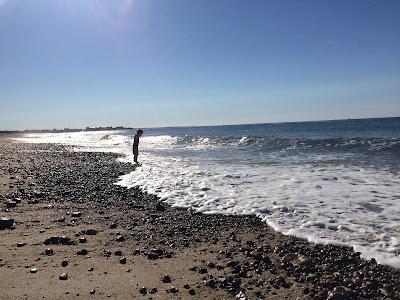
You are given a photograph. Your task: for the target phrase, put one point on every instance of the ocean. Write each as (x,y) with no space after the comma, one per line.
(328,181)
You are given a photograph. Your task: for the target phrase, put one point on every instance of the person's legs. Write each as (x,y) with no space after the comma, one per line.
(135,156)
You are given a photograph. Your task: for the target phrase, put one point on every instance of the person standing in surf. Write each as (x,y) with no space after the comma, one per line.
(136,145)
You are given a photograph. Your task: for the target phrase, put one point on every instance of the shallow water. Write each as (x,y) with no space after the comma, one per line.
(335,181)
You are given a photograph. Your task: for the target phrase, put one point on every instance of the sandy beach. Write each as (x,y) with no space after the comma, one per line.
(67,231)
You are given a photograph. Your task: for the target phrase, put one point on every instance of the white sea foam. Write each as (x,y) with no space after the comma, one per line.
(324,203)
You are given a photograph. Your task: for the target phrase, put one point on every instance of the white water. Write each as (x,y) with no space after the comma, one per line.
(342,204)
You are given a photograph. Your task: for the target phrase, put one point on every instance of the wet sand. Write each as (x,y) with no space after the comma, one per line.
(69,218)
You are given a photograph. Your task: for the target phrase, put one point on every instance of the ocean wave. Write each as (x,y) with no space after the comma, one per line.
(370,145)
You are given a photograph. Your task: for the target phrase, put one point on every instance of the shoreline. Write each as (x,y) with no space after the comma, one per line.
(61,193)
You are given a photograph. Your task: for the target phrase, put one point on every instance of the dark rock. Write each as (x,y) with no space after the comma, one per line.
(76,214)
(211,265)
(339,293)
(6,223)
(236,282)
(49,251)
(166,279)
(211,283)
(64,263)
(122,260)
(153,291)
(33,270)
(203,271)
(11,204)
(19,245)
(160,207)
(232,263)
(82,252)
(143,290)
(384,292)
(63,276)
(118,253)
(120,238)
(90,231)
(61,220)
(192,292)
(57,240)
(82,240)
(92,292)
(173,290)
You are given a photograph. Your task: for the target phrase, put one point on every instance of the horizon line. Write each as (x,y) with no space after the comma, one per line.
(191,126)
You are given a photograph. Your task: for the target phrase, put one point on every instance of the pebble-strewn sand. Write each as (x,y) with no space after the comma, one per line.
(74,233)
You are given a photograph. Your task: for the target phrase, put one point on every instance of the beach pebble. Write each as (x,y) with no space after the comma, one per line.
(153,291)
(120,238)
(122,260)
(160,207)
(11,203)
(82,252)
(166,279)
(82,240)
(33,270)
(338,293)
(19,245)
(49,251)
(63,276)
(56,240)
(92,292)
(64,263)
(143,290)
(211,265)
(90,231)
(76,214)
(192,292)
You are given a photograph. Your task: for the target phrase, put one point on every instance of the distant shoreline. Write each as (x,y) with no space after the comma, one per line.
(64,130)
(106,128)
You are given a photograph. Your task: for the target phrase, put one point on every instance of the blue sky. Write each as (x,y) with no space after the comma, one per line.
(146,63)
